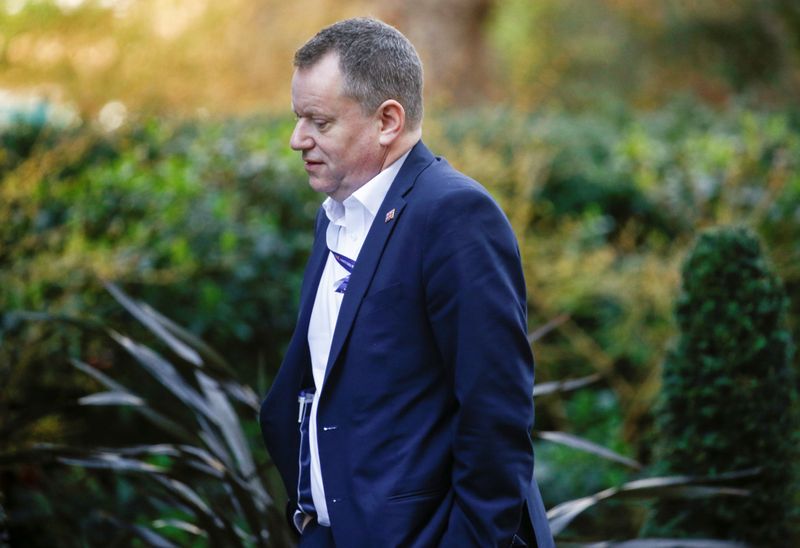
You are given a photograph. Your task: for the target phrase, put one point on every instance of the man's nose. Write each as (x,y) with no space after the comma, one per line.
(300,140)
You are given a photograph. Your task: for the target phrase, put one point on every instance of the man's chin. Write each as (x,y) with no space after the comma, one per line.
(321,186)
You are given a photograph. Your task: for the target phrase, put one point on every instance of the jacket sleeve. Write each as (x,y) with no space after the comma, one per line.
(475,295)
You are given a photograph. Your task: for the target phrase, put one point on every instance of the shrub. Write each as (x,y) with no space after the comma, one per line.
(728,395)
(200,482)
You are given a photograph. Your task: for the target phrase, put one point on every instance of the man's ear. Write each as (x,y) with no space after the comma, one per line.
(392,120)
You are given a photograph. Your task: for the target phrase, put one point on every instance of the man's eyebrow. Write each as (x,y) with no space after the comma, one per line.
(311,112)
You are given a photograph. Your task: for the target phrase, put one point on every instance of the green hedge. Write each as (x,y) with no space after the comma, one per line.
(208,218)
(209,222)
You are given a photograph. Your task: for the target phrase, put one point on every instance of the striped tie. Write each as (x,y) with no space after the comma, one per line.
(304,499)
(346,263)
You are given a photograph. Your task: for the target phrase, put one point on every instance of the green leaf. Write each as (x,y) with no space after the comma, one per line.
(561,515)
(154,325)
(659,543)
(231,430)
(111,398)
(149,536)
(166,374)
(568,385)
(543,330)
(111,461)
(190,339)
(179,524)
(167,424)
(585,445)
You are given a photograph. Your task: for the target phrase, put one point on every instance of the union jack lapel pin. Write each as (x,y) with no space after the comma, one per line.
(389,216)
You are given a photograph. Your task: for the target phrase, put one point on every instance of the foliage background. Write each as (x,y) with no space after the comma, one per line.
(144,142)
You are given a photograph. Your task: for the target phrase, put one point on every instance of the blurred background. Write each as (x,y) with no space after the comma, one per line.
(149,201)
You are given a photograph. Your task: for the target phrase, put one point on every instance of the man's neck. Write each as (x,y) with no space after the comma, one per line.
(401,145)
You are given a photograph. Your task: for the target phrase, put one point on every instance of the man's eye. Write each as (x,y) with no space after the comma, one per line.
(321,124)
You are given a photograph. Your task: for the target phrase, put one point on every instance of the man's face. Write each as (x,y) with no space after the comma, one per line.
(339,142)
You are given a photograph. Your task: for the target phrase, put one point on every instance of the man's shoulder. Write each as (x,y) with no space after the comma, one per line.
(447,202)
(441,181)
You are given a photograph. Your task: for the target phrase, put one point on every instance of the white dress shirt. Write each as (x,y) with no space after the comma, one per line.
(350,222)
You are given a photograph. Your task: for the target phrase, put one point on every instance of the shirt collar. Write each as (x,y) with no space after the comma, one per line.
(370,195)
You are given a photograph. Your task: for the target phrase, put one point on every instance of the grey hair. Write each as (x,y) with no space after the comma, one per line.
(377,62)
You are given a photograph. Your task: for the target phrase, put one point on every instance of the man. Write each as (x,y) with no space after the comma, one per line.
(401,413)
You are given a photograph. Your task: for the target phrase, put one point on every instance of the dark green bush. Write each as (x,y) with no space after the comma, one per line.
(729,394)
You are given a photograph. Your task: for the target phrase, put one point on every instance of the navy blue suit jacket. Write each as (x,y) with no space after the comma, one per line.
(424,420)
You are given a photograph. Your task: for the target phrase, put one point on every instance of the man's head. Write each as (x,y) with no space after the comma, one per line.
(357,95)
(378,63)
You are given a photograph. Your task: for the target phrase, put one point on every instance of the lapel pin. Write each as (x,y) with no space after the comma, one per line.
(389,216)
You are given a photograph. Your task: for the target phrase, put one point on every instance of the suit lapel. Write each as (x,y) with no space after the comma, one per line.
(308,291)
(371,251)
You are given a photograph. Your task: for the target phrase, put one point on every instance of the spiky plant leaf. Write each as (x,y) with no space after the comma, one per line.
(177,346)
(149,536)
(112,461)
(181,525)
(568,385)
(581,444)
(659,543)
(112,398)
(211,356)
(552,325)
(163,422)
(561,516)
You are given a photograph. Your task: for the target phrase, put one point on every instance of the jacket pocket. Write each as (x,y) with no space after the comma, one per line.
(417,494)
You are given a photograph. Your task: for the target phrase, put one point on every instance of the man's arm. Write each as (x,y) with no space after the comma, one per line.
(476,304)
